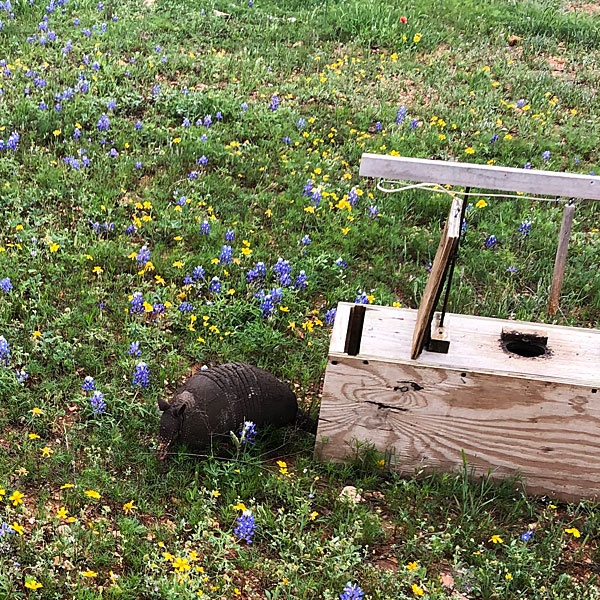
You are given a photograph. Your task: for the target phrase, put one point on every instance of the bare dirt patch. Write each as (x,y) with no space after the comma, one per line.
(591,8)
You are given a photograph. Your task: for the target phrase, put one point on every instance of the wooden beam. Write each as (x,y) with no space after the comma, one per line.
(439,268)
(508,179)
(561,258)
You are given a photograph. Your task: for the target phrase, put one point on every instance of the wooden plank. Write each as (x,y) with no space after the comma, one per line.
(491,177)
(427,416)
(439,268)
(561,257)
(574,352)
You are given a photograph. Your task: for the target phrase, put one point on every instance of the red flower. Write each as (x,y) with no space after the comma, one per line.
(403,20)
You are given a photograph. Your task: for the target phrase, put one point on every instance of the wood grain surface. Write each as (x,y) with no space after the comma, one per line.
(426,417)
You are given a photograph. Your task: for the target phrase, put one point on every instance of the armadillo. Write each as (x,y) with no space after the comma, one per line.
(218,400)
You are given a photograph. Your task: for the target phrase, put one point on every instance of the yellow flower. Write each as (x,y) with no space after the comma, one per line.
(284,309)
(36,411)
(181,565)
(66,486)
(496,539)
(240,506)
(309,209)
(16,498)
(54,247)
(89,573)
(62,513)
(411,566)
(396,304)
(345,230)
(417,38)
(216,493)
(176,140)
(20,227)
(178,264)
(508,576)
(128,507)
(481,203)
(56,132)
(576,533)
(17,528)
(246,251)
(313,515)
(291,325)
(98,270)
(159,279)
(32,584)
(92,494)
(2,492)
(237,592)
(469,151)
(34,436)
(269,212)
(37,334)
(417,591)
(46,451)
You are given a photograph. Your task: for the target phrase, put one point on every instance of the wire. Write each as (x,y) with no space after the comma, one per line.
(436,187)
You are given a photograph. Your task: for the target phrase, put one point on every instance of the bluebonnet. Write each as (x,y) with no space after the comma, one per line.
(112,104)
(218,116)
(97,402)
(4,349)
(274,102)
(156,91)
(248,433)
(308,188)
(414,124)
(186,122)
(143,256)
(230,236)
(521,103)
(527,165)
(187,280)
(546,155)
(131,229)
(182,201)
(494,138)
(138,164)
(207,121)
(21,375)
(198,272)
(89,385)
(305,241)
(134,349)
(353,197)
(140,375)
(6,284)
(158,309)
(138,125)
(113,152)
(186,307)
(259,271)
(244,106)
(527,535)
(103,123)
(215,285)
(351,592)
(246,526)
(525,228)
(491,242)
(205,228)
(401,115)
(203,161)
(283,270)
(301,281)
(193,175)
(316,197)
(301,123)
(11,143)
(361,298)
(6,529)
(378,126)
(341,263)
(287,140)
(226,255)
(137,303)
(511,269)
(373,211)
(330,316)
(268,301)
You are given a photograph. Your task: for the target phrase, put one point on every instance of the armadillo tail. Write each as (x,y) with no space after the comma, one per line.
(305,422)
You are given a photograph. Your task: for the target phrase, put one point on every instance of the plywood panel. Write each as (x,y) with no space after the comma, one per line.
(428,416)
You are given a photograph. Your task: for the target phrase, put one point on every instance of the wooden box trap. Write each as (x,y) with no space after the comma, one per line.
(430,390)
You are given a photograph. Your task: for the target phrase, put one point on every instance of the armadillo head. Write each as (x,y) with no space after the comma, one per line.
(171,421)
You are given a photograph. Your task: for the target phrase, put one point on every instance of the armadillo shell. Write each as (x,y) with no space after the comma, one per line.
(227,395)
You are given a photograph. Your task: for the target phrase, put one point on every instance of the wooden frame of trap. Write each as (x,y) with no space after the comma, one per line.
(431,389)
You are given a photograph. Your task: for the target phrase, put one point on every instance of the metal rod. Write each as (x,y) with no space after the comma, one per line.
(453,263)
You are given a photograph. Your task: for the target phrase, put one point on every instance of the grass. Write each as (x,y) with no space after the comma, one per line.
(71,235)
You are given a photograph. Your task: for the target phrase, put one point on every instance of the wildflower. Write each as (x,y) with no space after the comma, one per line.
(491,242)
(306,241)
(246,526)
(481,203)
(89,573)
(373,211)
(352,592)
(244,106)
(511,269)
(527,166)
(403,20)
(137,303)
(186,307)
(378,126)
(143,256)
(495,539)
(46,452)
(202,161)
(207,121)
(546,155)
(134,349)
(248,433)
(61,513)
(198,273)
(574,531)
(92,494)
(230,236)
(88,384)
(140,375)
(97,402)
(205,228)
(330,316)
(283,270)
(138,125)
(128,507)
(412,566)
(494,138)
(301,281)
(181,565)
(215,285)
(341,263)
(103,123)
(274,102)
(36,411)
(414,124)
(417,591)
(6,285)
(18,529)
(525,228)
(4,349)
(401,115)
(527,535)
(226,255)
(16,498)
(32,584)
(361,298)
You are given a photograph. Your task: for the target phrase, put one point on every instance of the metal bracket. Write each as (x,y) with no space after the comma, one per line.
(354,331)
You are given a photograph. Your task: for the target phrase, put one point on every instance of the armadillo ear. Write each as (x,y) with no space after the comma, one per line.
(163,404)
(182,402)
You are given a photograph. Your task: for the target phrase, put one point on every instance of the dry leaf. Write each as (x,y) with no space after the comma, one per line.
(447,580)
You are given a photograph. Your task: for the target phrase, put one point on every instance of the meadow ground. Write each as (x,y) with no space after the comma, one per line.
(179,186)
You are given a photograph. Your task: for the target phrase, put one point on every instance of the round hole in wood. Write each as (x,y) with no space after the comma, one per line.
(334,362)
(594,390)
(463,374)
(365,362)
(526,348)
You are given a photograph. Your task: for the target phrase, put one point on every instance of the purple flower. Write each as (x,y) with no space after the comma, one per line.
(226,255)
(6,285)
(546,155)
(378,126)
(202,161)
(306,241)
(494,138)
(156,91)
(186,122)
(414,124)
(491,242)
(21,375)
(248,433)
(401,115)
(527,535)
(230,236)
(205,228)
(136,303)
(138,165)
(361,298)
(89,384)
(218,116)
(113,152)
(244,106)
(330,316)
(198,272)
(143,256)
(246,526)
(215,285)
(301,123)
(4,349)
(186,307)
(511,269)
(352,592)
(525,228)
(103,123)
(283,270)
(134,349)
(112,104)
(97,402)
(521,103)
(138,125)
(140,375)
(274,102)
(207,121)
(373,211)
(527,166)
(341,263)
